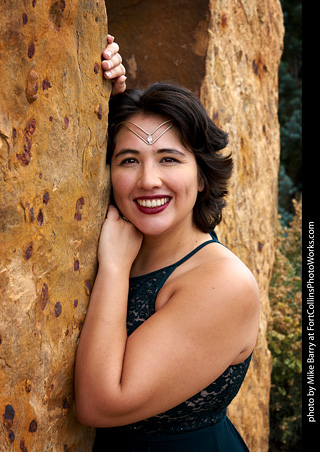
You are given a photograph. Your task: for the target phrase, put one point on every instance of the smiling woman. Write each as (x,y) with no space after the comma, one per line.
(196,131)
(173,316)
(143,175)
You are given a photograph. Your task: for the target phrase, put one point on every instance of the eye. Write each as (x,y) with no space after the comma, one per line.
(128,161)
(169,160)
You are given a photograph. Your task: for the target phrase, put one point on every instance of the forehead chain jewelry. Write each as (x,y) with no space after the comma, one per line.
(149,139)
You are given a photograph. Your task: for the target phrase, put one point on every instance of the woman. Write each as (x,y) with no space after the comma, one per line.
(173,316)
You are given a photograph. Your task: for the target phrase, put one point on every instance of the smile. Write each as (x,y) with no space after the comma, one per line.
(152,203)
(151,206)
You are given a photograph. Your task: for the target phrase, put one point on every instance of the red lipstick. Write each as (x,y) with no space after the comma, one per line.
(151,205)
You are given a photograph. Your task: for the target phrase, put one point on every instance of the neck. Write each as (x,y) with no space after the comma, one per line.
(159,251)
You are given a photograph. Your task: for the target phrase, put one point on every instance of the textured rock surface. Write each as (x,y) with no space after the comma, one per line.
(227,51)
(53,182)
(241,93)
(161,40)
(53,196)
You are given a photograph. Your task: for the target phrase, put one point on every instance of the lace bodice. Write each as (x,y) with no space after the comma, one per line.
(209,405)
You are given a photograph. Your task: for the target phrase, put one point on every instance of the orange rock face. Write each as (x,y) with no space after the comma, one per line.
(53,199)
(241,93)
(54,183)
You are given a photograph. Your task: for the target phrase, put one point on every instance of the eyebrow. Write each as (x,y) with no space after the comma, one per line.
(159,151)
(125,152)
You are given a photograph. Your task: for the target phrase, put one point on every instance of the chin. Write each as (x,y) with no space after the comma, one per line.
(151,226)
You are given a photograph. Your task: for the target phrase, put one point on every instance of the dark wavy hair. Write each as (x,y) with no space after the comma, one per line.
(198,133)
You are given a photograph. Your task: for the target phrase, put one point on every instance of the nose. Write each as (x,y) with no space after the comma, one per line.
(149,177)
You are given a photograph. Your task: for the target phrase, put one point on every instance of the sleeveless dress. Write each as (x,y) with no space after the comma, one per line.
(200,423)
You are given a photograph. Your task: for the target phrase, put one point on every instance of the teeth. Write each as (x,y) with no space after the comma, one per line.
(152,202)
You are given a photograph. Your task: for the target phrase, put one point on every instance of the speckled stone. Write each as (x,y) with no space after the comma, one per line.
(53,199)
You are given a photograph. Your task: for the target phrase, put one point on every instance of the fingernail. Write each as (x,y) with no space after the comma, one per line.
(109,53)
(108,74)
(123,82)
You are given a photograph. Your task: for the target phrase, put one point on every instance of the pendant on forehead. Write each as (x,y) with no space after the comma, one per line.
(149,139)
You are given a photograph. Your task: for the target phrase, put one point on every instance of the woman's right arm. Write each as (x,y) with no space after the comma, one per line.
(102,345)
(209,321)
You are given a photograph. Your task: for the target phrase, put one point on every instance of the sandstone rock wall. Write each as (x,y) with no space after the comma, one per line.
(53,198)
(241,92)
(54,184)
(228,52)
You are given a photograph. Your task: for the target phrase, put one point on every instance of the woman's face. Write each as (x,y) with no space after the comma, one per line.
(155,186)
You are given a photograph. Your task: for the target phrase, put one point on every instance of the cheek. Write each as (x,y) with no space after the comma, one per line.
(192,183)
(121,185)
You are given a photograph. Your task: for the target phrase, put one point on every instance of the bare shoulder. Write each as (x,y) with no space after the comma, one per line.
(219,291)
(229,272)
(217,268)
(233,282)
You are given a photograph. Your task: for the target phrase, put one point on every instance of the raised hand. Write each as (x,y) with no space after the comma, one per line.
(113,68)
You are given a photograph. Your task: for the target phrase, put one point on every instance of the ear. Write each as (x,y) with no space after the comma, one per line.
(200,184)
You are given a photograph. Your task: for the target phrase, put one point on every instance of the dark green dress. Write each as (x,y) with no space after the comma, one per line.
(200,423)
